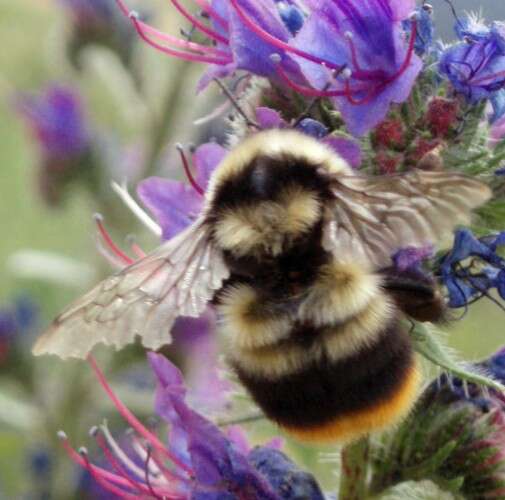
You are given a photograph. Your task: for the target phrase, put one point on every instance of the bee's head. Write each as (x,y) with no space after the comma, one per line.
(269,193)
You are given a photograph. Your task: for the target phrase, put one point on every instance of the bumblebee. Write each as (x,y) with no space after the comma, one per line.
(294,249)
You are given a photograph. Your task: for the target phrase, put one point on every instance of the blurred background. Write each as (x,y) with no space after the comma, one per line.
(75,70)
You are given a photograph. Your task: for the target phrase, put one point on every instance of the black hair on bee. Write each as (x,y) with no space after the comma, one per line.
(293,248)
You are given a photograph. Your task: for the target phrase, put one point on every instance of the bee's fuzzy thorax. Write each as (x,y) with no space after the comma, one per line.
(276,143)
(269,192)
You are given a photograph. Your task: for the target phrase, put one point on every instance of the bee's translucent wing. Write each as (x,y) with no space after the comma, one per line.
(372,217)
(144,299)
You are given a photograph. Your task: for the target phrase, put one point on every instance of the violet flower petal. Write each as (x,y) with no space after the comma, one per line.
(206,158)
(348,149)
(174,204)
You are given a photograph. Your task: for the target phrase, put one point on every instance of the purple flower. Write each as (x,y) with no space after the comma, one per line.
(425,29)
(15,320)
(411,258)
(197,339)
(476,66)
(56,119)
(199,461)
(368,63)
(288,480)
(473,267)
(176,204)
(269,118)
(232,43)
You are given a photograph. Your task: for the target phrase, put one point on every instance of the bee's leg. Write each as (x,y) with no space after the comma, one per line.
(418,296)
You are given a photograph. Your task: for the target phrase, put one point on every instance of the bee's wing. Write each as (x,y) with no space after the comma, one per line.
(372,217)
(144,299)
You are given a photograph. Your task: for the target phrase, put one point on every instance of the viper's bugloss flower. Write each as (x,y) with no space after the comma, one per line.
(230,43)
(473,267)
(15,320)
(360,57)
(411,258)
(289,481)
(476,66)
(425,29)
(176,204)
(57,121)
(199,462)
(196,339)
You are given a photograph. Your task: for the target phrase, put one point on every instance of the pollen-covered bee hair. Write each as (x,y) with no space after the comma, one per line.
(293,248)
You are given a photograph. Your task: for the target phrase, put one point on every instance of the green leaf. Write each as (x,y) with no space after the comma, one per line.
(427,343)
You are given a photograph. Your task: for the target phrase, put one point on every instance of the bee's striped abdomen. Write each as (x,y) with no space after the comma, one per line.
(338,400)
(338,367)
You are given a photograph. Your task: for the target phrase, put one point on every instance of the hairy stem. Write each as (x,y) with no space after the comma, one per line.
(353,482)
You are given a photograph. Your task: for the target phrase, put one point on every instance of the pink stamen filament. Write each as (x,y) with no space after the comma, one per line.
(376,90)
(195,22)
(313,92)
(184,44)
(125,259)
(188,173)
(96,471)
(120,454)
(118,467)
(276,42)
(206,7)
(350,92)
(103,482)
(358,73)
(176,53)
(137,250)
(410,53)
(135,423)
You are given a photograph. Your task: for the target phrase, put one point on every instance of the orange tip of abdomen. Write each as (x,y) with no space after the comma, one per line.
(378,417)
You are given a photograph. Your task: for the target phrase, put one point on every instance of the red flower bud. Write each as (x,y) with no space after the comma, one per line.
(442,116)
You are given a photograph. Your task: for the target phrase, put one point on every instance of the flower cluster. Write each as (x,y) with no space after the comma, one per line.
(359,54)
(476,65)
(199,461)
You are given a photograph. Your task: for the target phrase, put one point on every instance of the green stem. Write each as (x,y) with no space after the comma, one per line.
(244,419)
(163,122)
(353,482)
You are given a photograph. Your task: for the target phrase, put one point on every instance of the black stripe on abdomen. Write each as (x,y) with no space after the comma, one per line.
(325,390)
